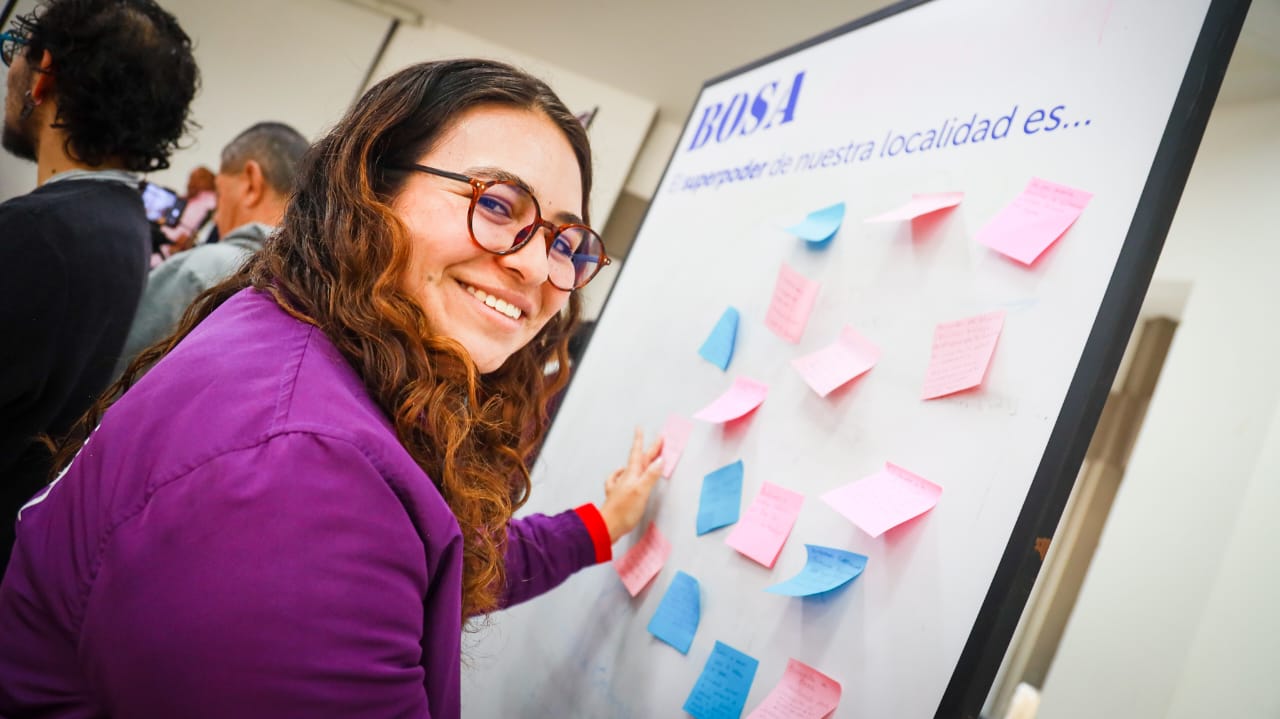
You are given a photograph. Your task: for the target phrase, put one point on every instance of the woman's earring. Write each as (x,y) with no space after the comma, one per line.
(28,106)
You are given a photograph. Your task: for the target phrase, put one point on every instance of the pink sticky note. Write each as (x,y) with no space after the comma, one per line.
(803,693)
(675,435)
(961,352)
(642,562)
(828,368)
(767,523)
(1034,220)
(919,205)
(885,499)
(743,396)
(793,298)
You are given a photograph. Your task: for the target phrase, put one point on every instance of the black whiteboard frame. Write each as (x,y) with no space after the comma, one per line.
(1011,585)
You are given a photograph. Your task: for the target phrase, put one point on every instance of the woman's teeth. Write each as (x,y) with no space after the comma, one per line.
(502,306)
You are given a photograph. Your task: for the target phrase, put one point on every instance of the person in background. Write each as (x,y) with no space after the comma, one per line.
(200,180)
(256,177)
(197,212)
(296,509)
(98,91)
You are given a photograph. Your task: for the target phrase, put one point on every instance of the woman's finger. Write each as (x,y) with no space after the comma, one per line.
(652,472)
(635,460)
(655,450)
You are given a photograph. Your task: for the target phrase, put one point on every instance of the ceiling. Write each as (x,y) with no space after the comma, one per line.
(663,50)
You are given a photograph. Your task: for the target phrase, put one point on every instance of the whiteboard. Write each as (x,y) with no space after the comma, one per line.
(922,631)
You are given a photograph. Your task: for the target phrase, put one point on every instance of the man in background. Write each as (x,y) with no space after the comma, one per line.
(253,184)
(98,90)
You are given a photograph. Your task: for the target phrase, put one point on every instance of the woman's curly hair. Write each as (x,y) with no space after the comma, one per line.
(124,77)
(338,260)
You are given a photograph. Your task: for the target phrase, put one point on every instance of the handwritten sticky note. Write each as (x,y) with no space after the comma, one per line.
(675,435)
(1026,227)
(920,205)
(721,498)
(676,620)
(803,693)
(820,226)
(961,352)
(885,499)
(718,347)
(767,524)
(643,561)
(793,298)
(826,568)
(722,688)
(838,363)
(743,396)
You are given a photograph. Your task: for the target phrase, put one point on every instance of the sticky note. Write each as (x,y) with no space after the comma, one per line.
(743,396)
(961,352)
(834,365)
(676,620)
(803,693)
(718,347)
(767,524)
(643,561)
(920,205)
(722,688)
(820,226)
(825,569)
(675,435)
(793,298)
(885,499)
(1025,228)
(721,498)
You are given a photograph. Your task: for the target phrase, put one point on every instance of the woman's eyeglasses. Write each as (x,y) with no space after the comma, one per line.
(504,216)
(10,41)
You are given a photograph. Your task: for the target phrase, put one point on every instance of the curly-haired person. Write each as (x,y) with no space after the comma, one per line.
(98,91)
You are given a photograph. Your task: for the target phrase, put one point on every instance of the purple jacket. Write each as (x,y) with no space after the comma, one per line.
(244,536)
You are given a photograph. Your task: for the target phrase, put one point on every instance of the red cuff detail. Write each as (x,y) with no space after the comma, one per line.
(590,517)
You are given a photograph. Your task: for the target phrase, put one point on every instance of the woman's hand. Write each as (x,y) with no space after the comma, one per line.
(626,492)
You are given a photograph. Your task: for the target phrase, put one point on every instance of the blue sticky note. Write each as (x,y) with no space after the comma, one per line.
(722,688)
(721,498)
(718,349)
(820,226)
(824,570)
(676,620)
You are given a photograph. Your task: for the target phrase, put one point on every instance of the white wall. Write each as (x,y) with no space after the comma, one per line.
(295,61)
(1177,616)
(1231,666)
(619,128)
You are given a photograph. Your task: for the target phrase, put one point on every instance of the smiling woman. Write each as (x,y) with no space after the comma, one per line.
(295,511)
(462,271)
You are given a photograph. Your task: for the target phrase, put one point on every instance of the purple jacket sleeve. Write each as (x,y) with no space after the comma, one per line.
(283,580)
(544,551)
